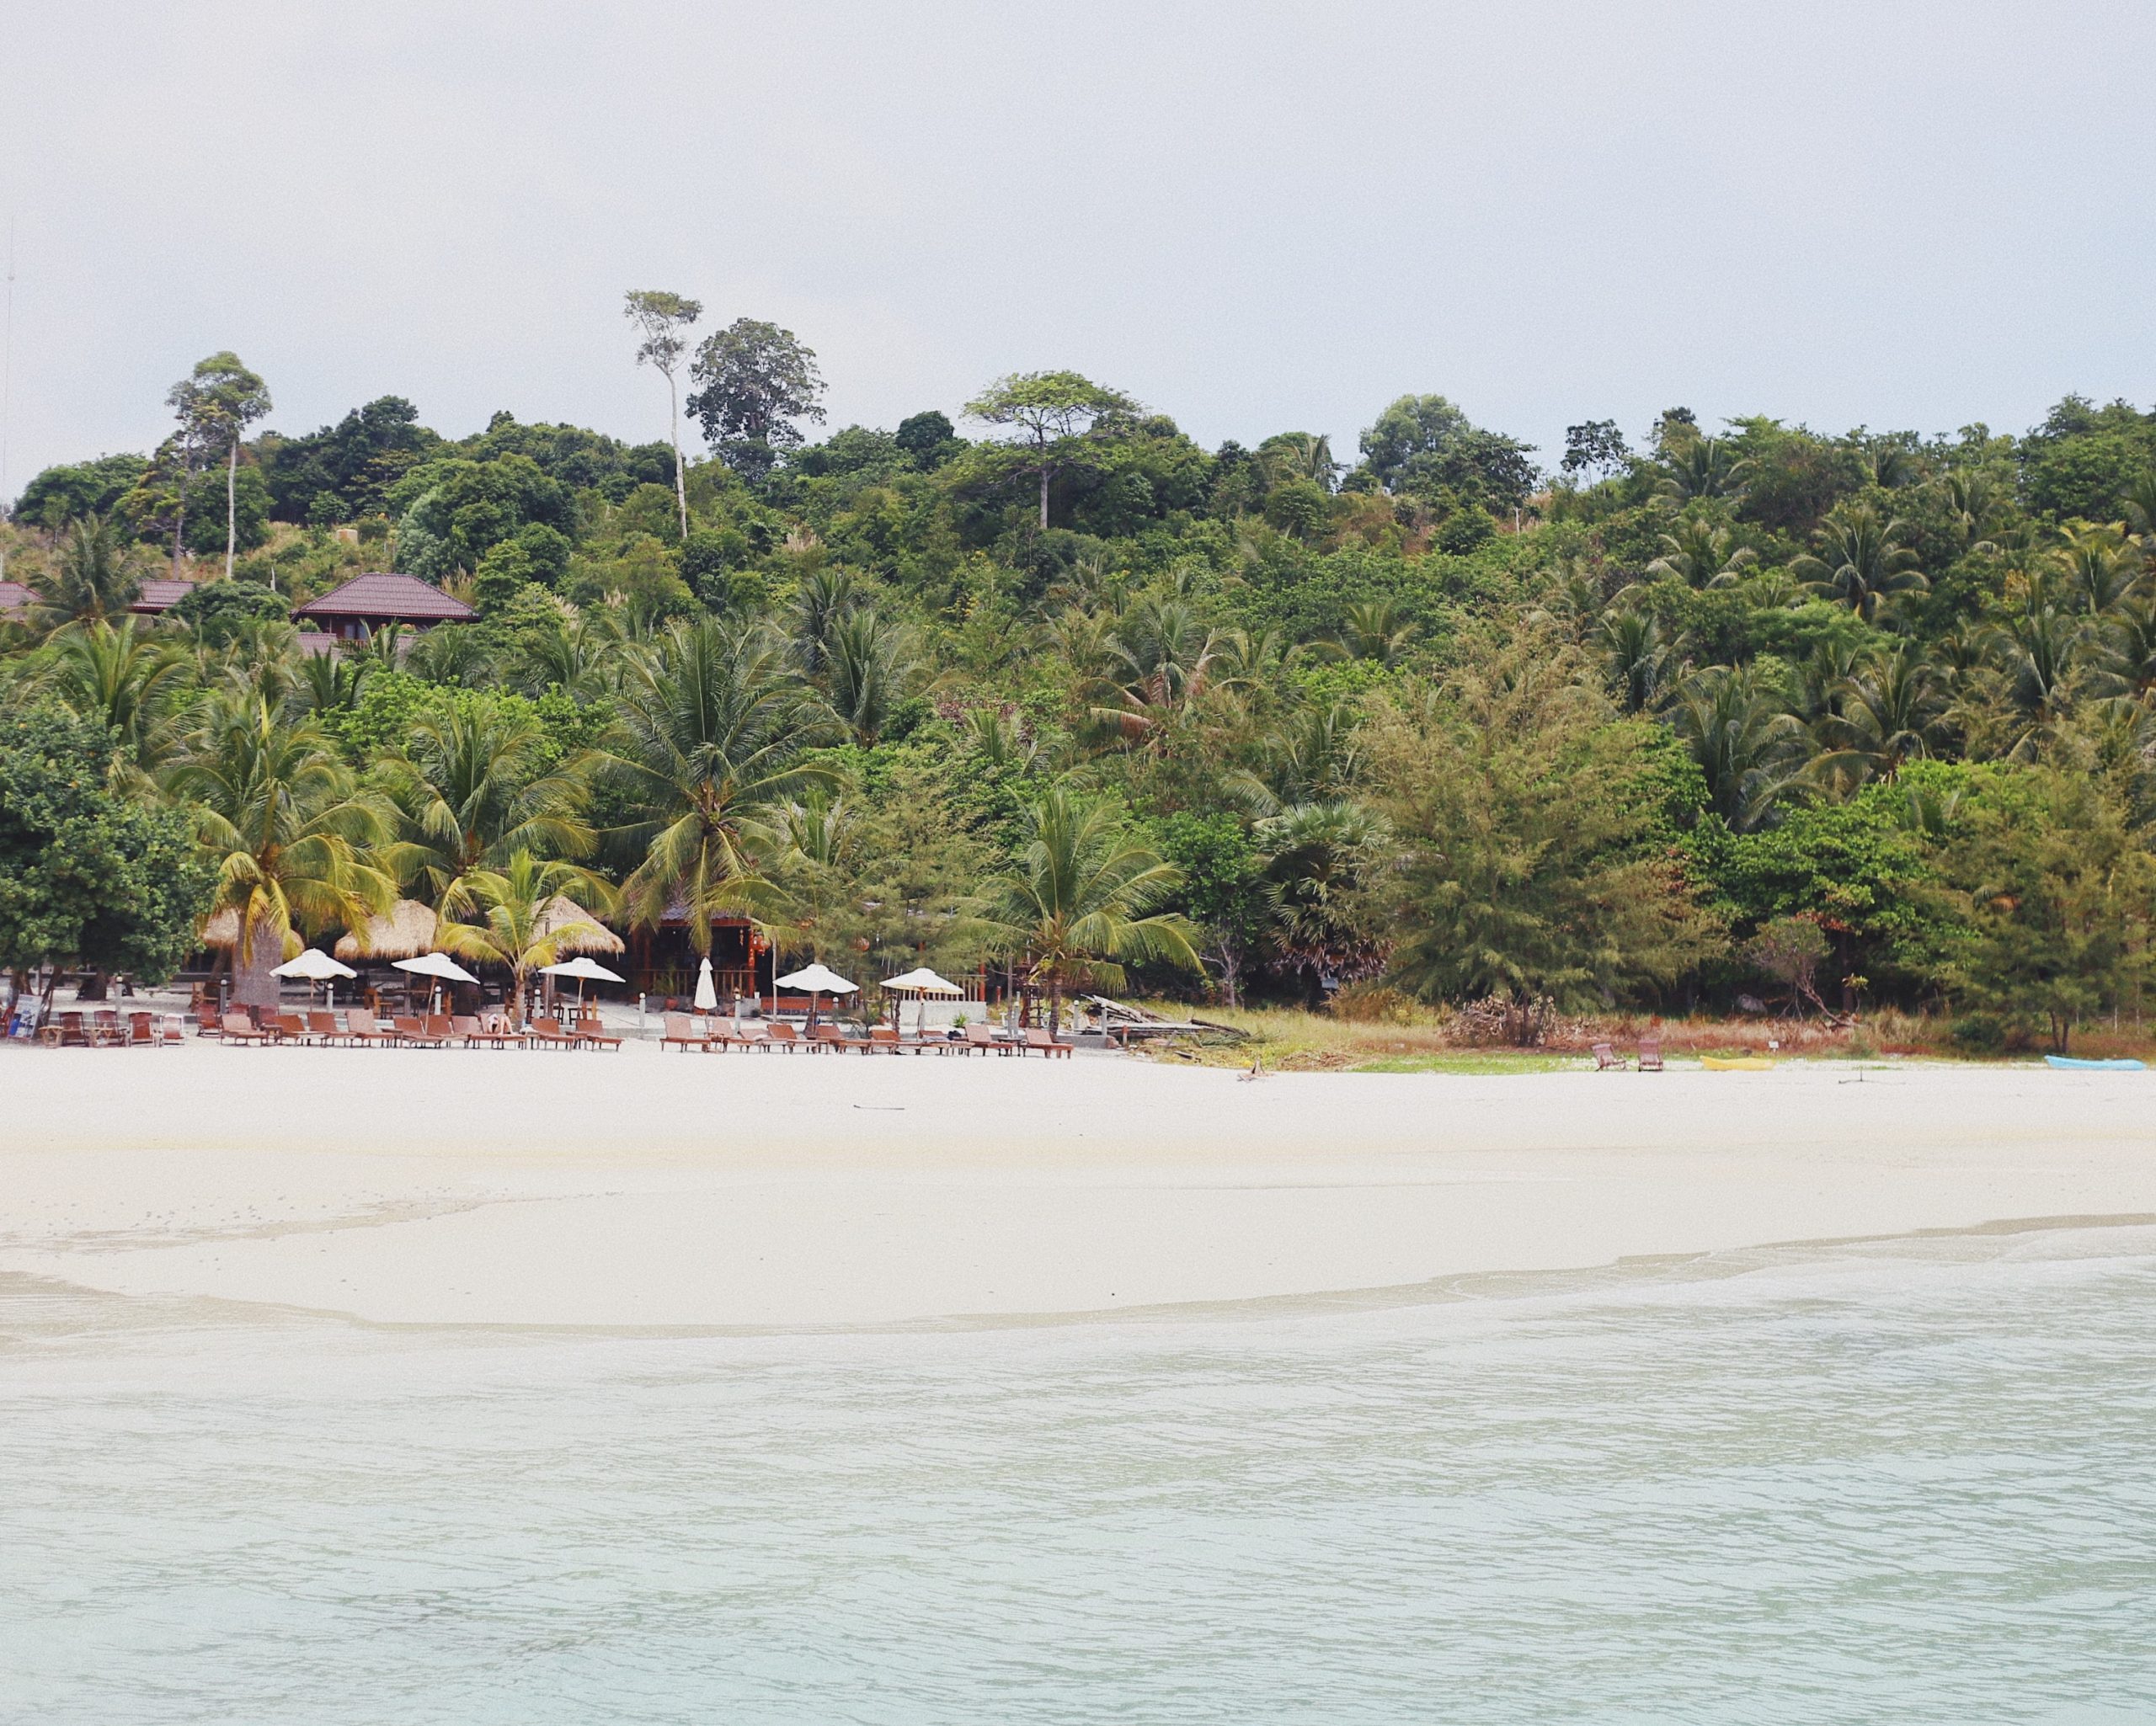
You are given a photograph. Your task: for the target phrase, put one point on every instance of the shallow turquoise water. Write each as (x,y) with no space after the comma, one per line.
(1909,1482)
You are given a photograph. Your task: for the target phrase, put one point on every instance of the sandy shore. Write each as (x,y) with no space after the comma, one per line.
(643,1189)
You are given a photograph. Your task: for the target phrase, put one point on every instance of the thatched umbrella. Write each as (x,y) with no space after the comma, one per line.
(405,932)
(222,930)
(561,911)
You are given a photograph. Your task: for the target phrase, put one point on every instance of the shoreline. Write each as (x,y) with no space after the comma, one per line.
(771,1192)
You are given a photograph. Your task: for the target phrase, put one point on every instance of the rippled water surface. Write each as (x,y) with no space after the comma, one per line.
(1894,1483)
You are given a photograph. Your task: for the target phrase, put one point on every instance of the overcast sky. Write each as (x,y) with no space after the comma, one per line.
(1255,217)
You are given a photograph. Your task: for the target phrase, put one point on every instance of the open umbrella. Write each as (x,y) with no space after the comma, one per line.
(815,980)
(922,983)
(438,966)
(315,966)
(707,990)
(582,968)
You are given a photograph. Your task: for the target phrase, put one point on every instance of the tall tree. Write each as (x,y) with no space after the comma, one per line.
(1077,901)
(663,321)
(1050,411)
(755,381)
(216,402)
(507,917)
(93,579)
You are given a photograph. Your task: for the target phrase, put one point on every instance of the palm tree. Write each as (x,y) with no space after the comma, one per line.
(517,925)
(871,663)
(824,596)
(1077,903)
(1374,629)
(1972,501)
(93,579)
(1300,455)
(2041,653)
(1701,555)
(1313,759)
(2128,654)
(2100,566)
(475,787)
(331,682)
(1318,858)
(713,731)
(1862,561)
(1743,740)
(291,834)
(1641,662)
(1703,467)
(1889,714)
(125,680)
(1164,654)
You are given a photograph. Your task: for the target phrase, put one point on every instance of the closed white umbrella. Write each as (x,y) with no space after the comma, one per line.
(315,966)
(707,990)
(921,984)
(438,966)
(582,968)
(815,980)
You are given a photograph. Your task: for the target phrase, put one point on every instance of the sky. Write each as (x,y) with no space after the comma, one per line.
(1254,217)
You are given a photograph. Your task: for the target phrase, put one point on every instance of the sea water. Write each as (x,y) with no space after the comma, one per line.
(1909,1481)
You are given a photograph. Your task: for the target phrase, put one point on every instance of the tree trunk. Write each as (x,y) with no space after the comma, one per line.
(674,430)
(253,985)
(1055,1007)
(178,526)
(1044,470)
(231,508)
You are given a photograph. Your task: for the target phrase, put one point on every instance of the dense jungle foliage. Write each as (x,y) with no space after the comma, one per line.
(1708,717)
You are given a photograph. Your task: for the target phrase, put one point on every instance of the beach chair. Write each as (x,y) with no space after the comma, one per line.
(1039,1039)
(1650,1055)
(365,1029)
(412,1028)
(982,1040)
(886,1037)
(549,1032)
(288,1028)
(106,1031)
(678,1031)
(1607,1059)
(323,1025)
(750,1034)
(589,1029)
(467,1027)
(444,1026)
(778,1034)
(207,1022)
(238,1028)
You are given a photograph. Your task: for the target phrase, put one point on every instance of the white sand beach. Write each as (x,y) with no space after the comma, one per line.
(639,1188)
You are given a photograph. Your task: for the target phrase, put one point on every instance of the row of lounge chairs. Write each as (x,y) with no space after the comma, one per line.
(1608,1059)
(108,1028)
(431,1030)
(679,1030)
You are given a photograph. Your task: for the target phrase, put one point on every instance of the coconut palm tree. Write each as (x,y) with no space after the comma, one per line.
(1374,629)
(870,664)
(292,835)
(509,917)
(713,732)
(1077,902)
(125,679)
(2099,567)
(1862,561)
(1163,662)
(1318,857)
(1313,759)
(93,578)
(331,682)
(823,597)
(2041,652)
(1743,740)
(1889,713)
(475,786)
(1700,467)
(1641,662)
(1701,555)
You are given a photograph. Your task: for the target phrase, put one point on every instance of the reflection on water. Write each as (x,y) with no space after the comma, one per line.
(1903,1482)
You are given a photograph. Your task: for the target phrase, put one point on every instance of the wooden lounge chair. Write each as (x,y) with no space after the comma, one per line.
(365,1028)
(678,1031)
(444,1026)
(321,1025)
(475,1034)
(106,1031)
(589,1029)
(778,1034)
(142,1030)
(982,1040)
(1650,1055)
(1607,1059)
(549,1032)
(828,1035)
(288,1028)
(886,1036)
(239,1028)
(413,1029)
(206,1021)
(1039,1038)
(750,1034)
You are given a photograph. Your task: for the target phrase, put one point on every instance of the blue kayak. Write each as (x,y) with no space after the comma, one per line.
(2067,1061)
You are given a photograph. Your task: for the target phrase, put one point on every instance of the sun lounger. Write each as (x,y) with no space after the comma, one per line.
(365,1028)
(1650,1056)
(982,1040)
(321,1027)
(476,1035)
(1607,1059)
(207,1022)
(142,1032)
(1039,1040)
(239,1028)
(106,1031)
(589,1031)
(413,1030)
(781,1035)
(750,1034)
(886,1036)
(678,1031)
(549,1032)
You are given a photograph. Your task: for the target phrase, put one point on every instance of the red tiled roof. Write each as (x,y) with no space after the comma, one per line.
(402,597)
(160,594)
(14,597)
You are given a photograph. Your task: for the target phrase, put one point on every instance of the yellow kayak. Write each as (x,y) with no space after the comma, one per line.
(1736,1063)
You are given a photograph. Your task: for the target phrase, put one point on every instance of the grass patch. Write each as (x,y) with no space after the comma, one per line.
(1484,1063)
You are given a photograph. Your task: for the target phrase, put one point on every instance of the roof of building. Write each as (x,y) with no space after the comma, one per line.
(403,596)
(14,597)
(161,593)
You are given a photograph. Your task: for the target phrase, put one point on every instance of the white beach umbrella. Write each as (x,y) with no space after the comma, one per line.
(921,984)
(438,966)
(707,990)
(315,966)
(815,980)
(583,967)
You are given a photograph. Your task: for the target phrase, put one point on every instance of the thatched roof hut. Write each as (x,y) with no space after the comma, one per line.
(222,930)
(562,910)
(407,932)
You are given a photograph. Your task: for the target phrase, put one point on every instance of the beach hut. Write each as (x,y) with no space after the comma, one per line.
(404,932)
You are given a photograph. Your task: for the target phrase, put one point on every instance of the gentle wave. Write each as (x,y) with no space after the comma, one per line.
(1890,1481)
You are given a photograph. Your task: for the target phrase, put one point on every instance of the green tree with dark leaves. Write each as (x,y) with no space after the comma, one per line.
(755,382)
(1048,414)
